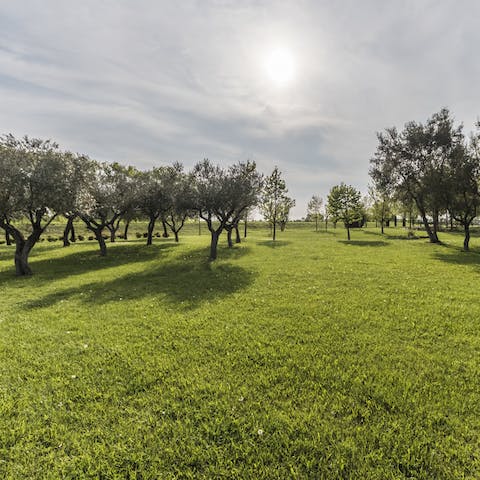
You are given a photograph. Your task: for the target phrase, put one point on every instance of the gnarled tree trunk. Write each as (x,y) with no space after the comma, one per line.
(229,237)
(101,241)
(150,228)
(214,243)
(432,234)
(125,230)
(22,251)
(466,240)
(165,231)
(112,234)
(67,232)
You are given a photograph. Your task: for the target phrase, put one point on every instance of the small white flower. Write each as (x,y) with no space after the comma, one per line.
(85,345)
(260,431)
(68,331)
(241,399)
(163,412)
(73,376)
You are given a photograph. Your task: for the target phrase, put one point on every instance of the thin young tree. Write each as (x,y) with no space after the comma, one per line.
(345,201)
(381,205)
(314,209)
(274,199)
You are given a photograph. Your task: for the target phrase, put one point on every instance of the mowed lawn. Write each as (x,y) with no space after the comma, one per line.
(311,358)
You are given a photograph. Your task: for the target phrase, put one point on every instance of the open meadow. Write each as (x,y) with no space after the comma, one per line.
(311,357)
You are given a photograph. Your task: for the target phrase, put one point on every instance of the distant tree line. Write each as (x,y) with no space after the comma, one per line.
(39,182)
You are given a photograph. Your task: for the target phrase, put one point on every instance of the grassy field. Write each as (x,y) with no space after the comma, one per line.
(311,358)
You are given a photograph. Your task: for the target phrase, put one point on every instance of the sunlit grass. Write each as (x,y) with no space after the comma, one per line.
(311,357)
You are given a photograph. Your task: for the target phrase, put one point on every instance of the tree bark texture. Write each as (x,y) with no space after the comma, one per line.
(229,237)
(22,251)
(67,231)
(151,226)
(165,231)
(214,244)
(125,230)
(466,240)
(101,242)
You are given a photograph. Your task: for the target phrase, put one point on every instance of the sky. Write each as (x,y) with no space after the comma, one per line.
(151,82)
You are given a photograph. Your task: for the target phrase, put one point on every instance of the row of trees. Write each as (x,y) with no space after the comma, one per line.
(39,182)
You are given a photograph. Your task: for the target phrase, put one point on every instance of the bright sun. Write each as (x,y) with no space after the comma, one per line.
(280,66)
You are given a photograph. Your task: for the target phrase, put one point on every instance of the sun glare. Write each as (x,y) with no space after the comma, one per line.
(280,66)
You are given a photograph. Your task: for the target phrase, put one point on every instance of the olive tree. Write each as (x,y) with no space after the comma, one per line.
(80,174)
(110,193)
(221,196)
(245,186)
(155,195)
(36,185)
(180,202)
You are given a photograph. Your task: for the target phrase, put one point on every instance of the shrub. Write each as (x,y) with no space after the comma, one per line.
(158,235)
(91,237)
(81,238)
(2,242)
(145,235)
(138,234)
(51,239)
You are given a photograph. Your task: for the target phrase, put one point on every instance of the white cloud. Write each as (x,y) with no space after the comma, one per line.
(152,82)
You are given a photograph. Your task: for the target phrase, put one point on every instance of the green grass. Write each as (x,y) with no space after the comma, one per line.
(309,358)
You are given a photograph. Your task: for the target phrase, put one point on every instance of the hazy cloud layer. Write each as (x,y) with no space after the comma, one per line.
(150,82)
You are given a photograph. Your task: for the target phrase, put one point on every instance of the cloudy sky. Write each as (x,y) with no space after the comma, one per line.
(299,84)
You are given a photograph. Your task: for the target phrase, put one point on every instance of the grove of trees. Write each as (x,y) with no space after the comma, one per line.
(432,166)
(39,183)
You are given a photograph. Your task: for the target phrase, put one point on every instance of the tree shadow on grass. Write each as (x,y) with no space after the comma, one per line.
(185,282)
(273,244)
(365,243)
(76,263)
(387,235)
(457,256)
